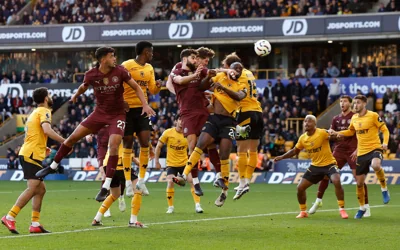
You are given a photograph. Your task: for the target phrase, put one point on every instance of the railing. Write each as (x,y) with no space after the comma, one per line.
(395,70)
(296,123)
(271,73)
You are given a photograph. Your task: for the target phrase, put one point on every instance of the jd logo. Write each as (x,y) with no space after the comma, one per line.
(73,34)
(295,27)
(180,31)
(13,89)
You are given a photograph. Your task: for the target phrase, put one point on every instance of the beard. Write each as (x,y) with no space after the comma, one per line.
(191,66)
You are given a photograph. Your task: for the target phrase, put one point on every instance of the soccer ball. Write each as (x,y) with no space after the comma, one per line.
(262,47)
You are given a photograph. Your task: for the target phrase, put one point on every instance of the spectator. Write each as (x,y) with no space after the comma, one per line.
(371,94)
(300,71)
(279,90)
(332,70)
(268,92)
(311,70)
(323,92)
(5,79)
(12,163)
(335,90)
(391,107)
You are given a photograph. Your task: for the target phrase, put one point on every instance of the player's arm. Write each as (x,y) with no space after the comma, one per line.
(237,96)
(170,86)
(385,131)
(154,86)
(186,79)
(289,154)
(82,89)
(139,92)
(157,154)
(48,130)
(228,72)
(208,80)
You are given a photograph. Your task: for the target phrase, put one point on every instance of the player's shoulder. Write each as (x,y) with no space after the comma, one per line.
(322,131)
(248,73)
(120,68)
(372,114)
(128,63)
(220,75)
(178,65)
(168,131)
(92,71)
(149,67)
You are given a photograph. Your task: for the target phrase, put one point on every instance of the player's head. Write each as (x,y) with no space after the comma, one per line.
(145,49)
(204,55)
(345,103)
(41,96)
(188,57)
(105,56)
(238,68)
(359,102)
(310,122)
(178,122)
(229,59)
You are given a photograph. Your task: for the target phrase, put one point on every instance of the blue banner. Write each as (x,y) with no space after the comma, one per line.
(350,85)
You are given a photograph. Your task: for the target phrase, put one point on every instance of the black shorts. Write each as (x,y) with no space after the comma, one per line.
(30,169)
(364,161)
(119,178)
(220,127)
(175,170)
(255,120)
(316,174)
(136,122)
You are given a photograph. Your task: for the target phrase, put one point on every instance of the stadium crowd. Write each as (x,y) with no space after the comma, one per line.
(68,11)
(218,9)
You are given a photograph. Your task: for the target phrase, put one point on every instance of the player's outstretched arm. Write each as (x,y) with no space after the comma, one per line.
(237,96)
(186,79)
(347,132)
(289,154)
(207,81)
(139,92)
(82,89)
(157,154)
(170,86)
(386,135)
(48,130)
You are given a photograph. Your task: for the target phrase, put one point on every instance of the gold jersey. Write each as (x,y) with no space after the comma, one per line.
(177,147)
(35,142)
(144,76)
(250,102)
(318,148)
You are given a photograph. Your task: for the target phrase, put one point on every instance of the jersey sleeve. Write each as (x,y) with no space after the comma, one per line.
(86,79)
(126,76)
(299,144)
(153,89)
(333,125)
(325,133)
(45,116)
(176,72)
(218,77)
(164,137)
(378,120)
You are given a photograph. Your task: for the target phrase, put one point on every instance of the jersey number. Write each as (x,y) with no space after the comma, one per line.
(253,88)
(232,134)
(121,124)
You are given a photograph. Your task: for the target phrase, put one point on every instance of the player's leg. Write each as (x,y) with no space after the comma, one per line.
(135,204)
(376,164)
(66,147)
(121,198)
(335,178)
(215,160)
(37,199)
(197,206)
(353,165)
(115,192)
(252,159)
(192,141)
(144,137)
(302,196)
(225,148)
(243,146)
(131,119)
(170,191)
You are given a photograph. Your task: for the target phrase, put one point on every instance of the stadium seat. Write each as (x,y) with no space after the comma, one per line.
(379,104)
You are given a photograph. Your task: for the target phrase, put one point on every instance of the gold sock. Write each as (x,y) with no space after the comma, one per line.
(193,159)
(170,196)
(195,197)
(381,177)
(251,165)
(35,216)
(340,203)
(107,203)
(127,162)
(136,203)
(303,207)
(14,211)
(242,164)
(225,171)
(361,195)
(143,161)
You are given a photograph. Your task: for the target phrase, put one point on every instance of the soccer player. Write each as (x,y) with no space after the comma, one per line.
(366,125)
(177,147)
(316,143)
(137,122)
(192,101)
(32,153)
(341,151)
(250,118)
(220,126)
(107,80)
(115,192)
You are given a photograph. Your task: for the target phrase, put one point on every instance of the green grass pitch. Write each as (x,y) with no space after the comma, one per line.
(263,219)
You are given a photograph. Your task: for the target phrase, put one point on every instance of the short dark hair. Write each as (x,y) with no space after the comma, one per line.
(346,97)
(102,52)
(177,117)
(205,52)
(140,46)
(40,94)
(231,58)
(361,97)
(188,52)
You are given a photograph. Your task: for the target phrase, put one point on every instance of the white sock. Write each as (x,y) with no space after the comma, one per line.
(242,182)
(35,224)
(195,181)
(342,208)
(366,206)
(54,165)
(225,192)
(133,219)
(121,197)
(141,181)
(98,216)
(197,204)
(9,217)
(218,175)
(318,200)
(247,180)
(362,208)
(384,189)
(128,183)
(107,183)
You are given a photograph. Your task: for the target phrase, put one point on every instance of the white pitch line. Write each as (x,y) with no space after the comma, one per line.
(182,221)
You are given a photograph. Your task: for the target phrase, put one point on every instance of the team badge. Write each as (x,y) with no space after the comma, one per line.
(379,119)
(348,121)
(179,141)
(105,81)
(359,124)
(204,128)
(115,79)
(185,130)
(312,144)
(141,73)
